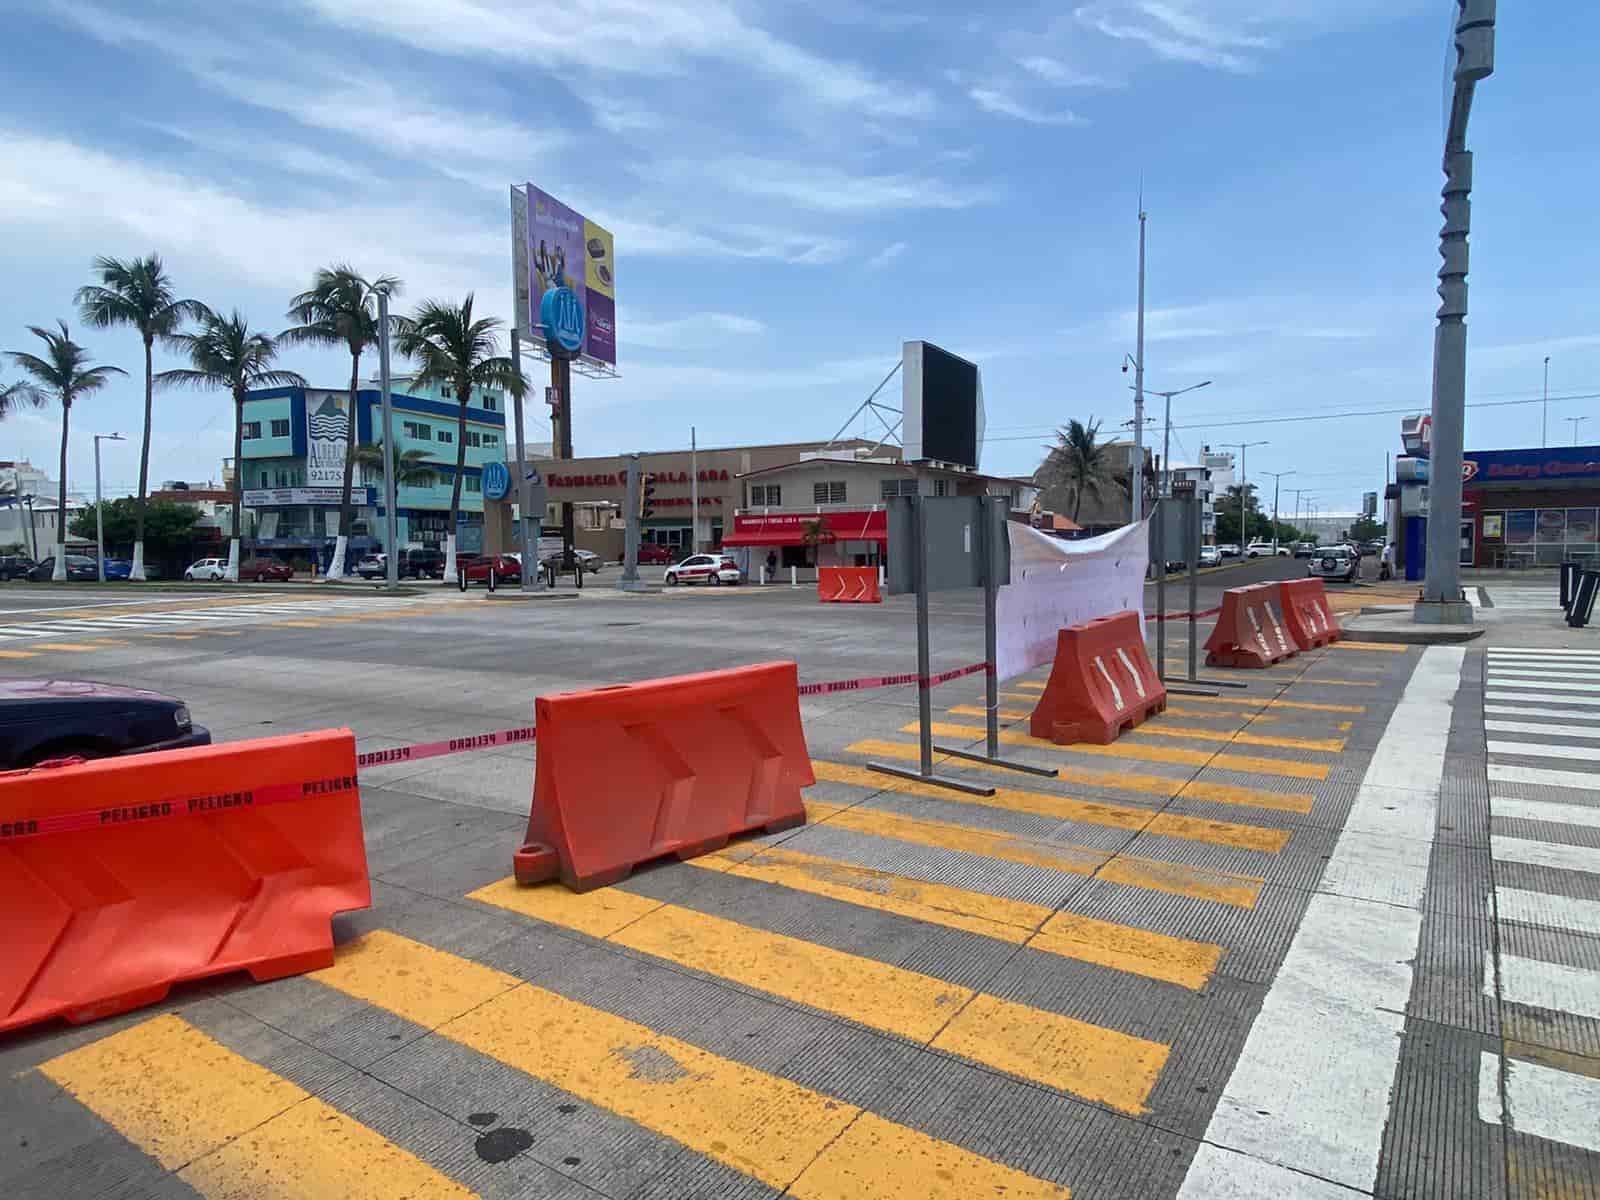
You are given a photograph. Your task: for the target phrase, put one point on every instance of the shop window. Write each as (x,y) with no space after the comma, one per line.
(252,430)
(417,430)
(768,495)
(447,436)
(941,487)
(491,439)
(828,492)
(280,428)
(472,437)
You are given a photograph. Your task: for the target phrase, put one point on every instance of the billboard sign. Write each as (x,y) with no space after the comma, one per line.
(1369,504)
(327,434)
(1480,467)
(321,496)
(1416,434)
(941,406)
(557,249)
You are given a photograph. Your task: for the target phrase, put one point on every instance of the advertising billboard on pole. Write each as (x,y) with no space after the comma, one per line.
(555,246)
(327,431)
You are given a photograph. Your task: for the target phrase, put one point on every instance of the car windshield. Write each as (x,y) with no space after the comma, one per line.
(1334,551)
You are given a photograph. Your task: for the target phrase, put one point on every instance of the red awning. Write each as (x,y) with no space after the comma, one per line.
(789,529)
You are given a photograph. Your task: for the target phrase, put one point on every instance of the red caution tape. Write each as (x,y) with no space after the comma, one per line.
(878,681)
(1184,616)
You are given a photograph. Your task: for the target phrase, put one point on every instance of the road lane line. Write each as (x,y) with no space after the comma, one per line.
(1085,939)
(1515,687)
(230,1128)
(1545,854)
(1548,909)
(769,1128)
(1535,983)
(1200,883)
(1090,1061)
(1247,763)
(1546,750)
(1333,1018)
(1065,808)
(1558,1106)
(1154,785)
(1493,709)
(1545,810)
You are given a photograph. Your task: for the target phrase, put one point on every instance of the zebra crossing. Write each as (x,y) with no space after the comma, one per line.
(127,620)
(1542,726)
(919,993)
(1519,597)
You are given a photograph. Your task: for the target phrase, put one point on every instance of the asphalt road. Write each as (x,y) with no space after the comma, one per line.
(1179,969)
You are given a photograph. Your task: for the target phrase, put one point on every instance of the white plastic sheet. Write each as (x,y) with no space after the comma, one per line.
(1056,583)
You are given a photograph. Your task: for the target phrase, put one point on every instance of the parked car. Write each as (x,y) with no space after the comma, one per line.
(588,560)
(209,569)
(79,567)
(1334,562)
(704,568)
(1210,556)
(1260,549)
(266,570)
(476,568)
(373,566)
(1228,550)
(421,563)
(17,566)
(652,554)
(60,718)
(1304,549)
(117,568)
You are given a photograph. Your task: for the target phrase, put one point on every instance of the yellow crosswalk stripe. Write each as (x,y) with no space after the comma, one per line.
(1242,738)
(1247,763)
(1120,947)
(231,1128)
(1113,1068)
(1155,785)
(18,654)
(1172,710)
(1377,647)
(71,647)
(1318,681)
(785,1135)
(1176,879)
(1066,808)
(1253,702)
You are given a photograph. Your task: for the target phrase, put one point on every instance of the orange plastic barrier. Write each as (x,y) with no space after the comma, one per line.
(1101,683)
(849,585)
(668,766)
(1250,631)
(123,876)
(1305,611)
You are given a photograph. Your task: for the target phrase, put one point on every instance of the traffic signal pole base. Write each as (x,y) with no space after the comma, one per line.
(994,761)
(955,785)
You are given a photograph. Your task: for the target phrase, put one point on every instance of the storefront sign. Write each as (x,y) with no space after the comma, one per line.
(270,497)
(496,480)
(327,434)
(789,529)
(619,479)
(1481,468)
(561,315)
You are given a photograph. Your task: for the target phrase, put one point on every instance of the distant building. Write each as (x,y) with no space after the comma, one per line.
(28,517)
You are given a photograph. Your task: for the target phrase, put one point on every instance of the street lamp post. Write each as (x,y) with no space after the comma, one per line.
(1442,601)
(1544,419)
(1244,489)
(1138,386)
(1277,479)
(1576,421)
(99,513)
(391,519)
(1166,436)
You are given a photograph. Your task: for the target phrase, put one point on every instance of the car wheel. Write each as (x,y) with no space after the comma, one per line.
(261,577)
(716,580)
(671,580)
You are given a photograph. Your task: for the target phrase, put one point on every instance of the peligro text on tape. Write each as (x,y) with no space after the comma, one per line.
(475,741)
(172,807)
(1185,615)
(879,681)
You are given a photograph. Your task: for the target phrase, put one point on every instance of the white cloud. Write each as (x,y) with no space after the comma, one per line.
(286,156)
(697,331)
(819,187)
(645,37)
(1003,104)
(887,255)
(1054,71)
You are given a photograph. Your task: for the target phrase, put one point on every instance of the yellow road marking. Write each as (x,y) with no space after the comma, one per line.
(176,637)
(1247,763)
(1155,785)
(74,647)
(310,623)
(1380,647)
(1116,1069)
(1314,681)
(1242,738)
(1253,702)
(779,1132)
(1013,714)
(231,1128)
(1067,808)
(18,654)
(1120,947)
(1240,891)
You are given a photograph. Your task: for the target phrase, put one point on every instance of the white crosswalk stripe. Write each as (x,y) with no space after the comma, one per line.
(195,618)
(1556,696)
(1523,596)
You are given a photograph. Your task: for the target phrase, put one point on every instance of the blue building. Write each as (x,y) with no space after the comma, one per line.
(293,463)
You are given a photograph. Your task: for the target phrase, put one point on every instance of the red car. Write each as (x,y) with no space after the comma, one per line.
(266,570)
(476,568)
(653,555)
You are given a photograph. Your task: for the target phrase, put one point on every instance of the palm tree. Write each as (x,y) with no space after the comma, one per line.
(15,396)
(225,353)
(1078,461)
(411,467)
(341,309)
(64,374)
(453,349)
(137,293)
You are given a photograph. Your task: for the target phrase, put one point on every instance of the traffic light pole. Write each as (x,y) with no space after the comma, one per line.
(630,581)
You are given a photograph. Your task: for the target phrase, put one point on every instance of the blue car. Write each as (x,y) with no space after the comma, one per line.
(117,568)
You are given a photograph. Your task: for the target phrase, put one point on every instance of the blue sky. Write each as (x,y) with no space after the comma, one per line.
(794,190)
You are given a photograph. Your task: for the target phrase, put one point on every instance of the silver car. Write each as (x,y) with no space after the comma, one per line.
(1334,562)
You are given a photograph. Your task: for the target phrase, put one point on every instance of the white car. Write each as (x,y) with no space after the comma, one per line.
(1228,550)
(704,568)
(1257,549)
(210,569)
(1210,556)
